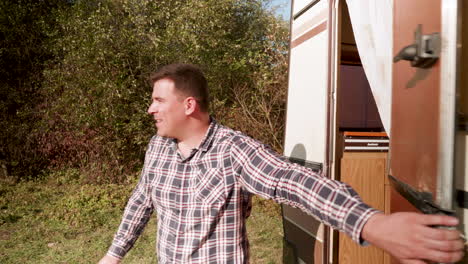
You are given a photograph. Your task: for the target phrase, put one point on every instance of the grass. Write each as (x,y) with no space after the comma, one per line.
(62,220)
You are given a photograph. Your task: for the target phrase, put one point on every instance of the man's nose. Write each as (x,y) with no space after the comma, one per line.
(152,109)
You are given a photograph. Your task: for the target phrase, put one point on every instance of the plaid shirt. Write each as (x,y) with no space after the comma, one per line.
(202,201)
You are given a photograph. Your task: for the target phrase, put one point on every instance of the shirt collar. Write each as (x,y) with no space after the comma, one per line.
(209,136)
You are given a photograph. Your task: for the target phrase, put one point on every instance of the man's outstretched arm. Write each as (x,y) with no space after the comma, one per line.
(407,236)
(412,238)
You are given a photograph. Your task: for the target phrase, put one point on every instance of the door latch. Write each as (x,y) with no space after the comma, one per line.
(424,52)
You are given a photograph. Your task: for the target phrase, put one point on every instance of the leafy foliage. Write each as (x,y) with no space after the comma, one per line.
(89,105)
(23,51)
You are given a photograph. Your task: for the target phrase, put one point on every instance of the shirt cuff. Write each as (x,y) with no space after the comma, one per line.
(116,252)
(356,219)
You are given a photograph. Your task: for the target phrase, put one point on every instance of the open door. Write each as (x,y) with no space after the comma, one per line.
(425,83)
(423,109)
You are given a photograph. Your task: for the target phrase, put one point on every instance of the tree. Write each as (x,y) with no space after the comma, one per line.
(95,82)
(23,51)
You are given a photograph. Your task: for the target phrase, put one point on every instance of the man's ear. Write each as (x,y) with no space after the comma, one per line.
(190,105)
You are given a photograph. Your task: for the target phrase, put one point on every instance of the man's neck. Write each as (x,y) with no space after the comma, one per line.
(195,133)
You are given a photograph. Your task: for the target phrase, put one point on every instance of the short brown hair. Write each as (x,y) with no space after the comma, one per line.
(188,80)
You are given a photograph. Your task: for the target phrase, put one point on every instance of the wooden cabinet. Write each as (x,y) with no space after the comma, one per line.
(366,173)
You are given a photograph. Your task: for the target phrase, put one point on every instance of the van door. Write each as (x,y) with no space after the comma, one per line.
(423,128)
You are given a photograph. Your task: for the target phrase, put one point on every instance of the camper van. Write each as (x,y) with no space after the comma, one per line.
(377,98)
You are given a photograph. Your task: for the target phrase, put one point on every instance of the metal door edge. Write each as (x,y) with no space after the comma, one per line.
(449,79)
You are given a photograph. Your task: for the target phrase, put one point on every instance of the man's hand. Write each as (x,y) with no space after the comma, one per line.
(410,238)
(109,260)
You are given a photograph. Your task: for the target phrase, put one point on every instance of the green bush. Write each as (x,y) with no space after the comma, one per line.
(23,51)
(94,87)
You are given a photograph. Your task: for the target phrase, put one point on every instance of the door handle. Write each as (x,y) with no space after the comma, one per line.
(424,52)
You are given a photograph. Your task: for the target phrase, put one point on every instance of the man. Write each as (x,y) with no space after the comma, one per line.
(199,176)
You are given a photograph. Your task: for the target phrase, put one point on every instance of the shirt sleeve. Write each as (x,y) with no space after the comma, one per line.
(263,172)
(136,215)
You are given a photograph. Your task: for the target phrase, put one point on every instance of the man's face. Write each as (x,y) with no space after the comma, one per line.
(167,109)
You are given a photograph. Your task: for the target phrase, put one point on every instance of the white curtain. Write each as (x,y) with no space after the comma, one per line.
(373,30)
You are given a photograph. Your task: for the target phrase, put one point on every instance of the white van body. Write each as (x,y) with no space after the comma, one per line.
(342,77)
